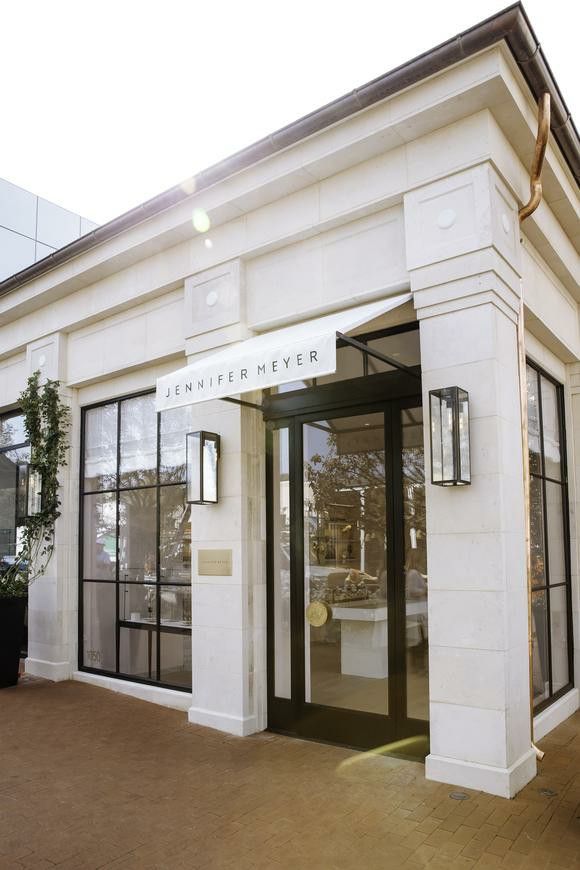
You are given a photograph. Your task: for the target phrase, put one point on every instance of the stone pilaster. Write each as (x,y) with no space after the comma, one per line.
(53,598)
(229,612)
(464,261)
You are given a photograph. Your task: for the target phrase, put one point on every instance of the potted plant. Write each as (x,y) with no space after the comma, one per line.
(13,593)
(46,420)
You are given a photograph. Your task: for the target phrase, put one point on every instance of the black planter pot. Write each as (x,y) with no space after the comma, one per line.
(11,636)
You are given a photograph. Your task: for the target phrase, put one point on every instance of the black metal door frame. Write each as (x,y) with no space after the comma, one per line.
(295,715)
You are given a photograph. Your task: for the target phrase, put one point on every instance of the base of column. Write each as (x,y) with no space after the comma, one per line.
(503,782)
(240,726)
(54,671)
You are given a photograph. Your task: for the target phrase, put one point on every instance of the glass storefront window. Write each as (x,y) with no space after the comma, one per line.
(14,454)
(534,446)
(175,660)
(175,424)
(281,562)
(100,537)
(12,430)
(137,542)
(138,652)
(174,535)
(138,447)
(549,539)
(100,446)
(137,535)
(138,602)
(415,532)
(99,639)
(551,429)
(537,555)
(175,606)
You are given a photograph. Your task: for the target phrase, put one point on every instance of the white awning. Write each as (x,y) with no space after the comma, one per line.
(295,353)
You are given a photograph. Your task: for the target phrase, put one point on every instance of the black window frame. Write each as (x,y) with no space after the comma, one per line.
(543,478)
(18,521)
(159,628)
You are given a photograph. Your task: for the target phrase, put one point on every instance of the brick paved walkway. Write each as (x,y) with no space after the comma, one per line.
(92,779)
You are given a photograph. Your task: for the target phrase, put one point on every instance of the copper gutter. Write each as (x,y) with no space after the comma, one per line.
(525,212)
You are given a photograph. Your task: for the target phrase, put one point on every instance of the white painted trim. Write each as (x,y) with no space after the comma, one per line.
(55,671)
(237,725)
(154,694)
(556,713)
(504,782)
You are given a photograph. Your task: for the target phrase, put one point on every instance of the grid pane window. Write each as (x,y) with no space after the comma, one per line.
(549,539)
(101,448)
(174,535)
(138,447)
(136,539)
(14,455)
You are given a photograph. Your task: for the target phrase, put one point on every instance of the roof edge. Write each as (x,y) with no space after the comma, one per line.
(511,24)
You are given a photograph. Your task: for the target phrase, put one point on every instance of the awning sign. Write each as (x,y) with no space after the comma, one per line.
(208,379)
(294,353)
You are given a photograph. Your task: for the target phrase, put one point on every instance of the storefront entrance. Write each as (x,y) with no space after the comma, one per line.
(347,604)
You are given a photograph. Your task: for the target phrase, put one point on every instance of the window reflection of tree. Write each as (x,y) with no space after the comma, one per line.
(138,441)
(137,538)
(101,447)
(347,485)
(175,535)
(414,512)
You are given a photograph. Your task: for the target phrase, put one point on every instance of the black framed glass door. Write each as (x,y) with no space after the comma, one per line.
(348,630)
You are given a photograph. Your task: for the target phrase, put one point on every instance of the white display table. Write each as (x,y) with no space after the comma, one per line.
(364,642)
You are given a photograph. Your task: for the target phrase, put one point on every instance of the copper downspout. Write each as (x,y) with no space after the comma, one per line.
(525,212)
(539,154)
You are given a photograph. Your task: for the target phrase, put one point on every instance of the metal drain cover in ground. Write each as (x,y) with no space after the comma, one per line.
(458,796)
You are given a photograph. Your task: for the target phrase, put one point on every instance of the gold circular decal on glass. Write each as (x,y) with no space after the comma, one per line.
(317,613)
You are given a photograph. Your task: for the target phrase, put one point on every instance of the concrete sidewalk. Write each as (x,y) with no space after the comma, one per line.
(92,779)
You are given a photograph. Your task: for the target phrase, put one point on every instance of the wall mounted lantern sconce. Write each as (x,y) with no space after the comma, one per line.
(202,459)
(450,460)
(29,498)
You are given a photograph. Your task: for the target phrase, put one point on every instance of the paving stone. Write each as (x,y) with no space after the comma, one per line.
(90,779)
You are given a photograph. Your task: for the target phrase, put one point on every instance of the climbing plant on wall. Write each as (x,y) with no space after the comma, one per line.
(47,422)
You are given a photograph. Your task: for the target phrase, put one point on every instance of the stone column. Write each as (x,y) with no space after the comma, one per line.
(52,598)
(463,258)
(229,611)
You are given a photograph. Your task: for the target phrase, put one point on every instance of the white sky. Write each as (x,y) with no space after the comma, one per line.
(105,104)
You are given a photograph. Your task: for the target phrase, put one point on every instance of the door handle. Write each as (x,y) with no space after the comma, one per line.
(317,613)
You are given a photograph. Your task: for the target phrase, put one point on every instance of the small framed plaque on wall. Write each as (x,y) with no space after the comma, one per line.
(214,563)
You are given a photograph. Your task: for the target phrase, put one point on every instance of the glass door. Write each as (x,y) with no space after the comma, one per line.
(348,634)
(346,650)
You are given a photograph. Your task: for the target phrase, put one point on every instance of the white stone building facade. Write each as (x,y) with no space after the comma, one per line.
(406,191)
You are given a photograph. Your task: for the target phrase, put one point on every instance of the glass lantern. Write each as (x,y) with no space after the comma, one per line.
(202,467)
(450,460)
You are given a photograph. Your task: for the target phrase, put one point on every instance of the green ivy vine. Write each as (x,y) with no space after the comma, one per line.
(47,422)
